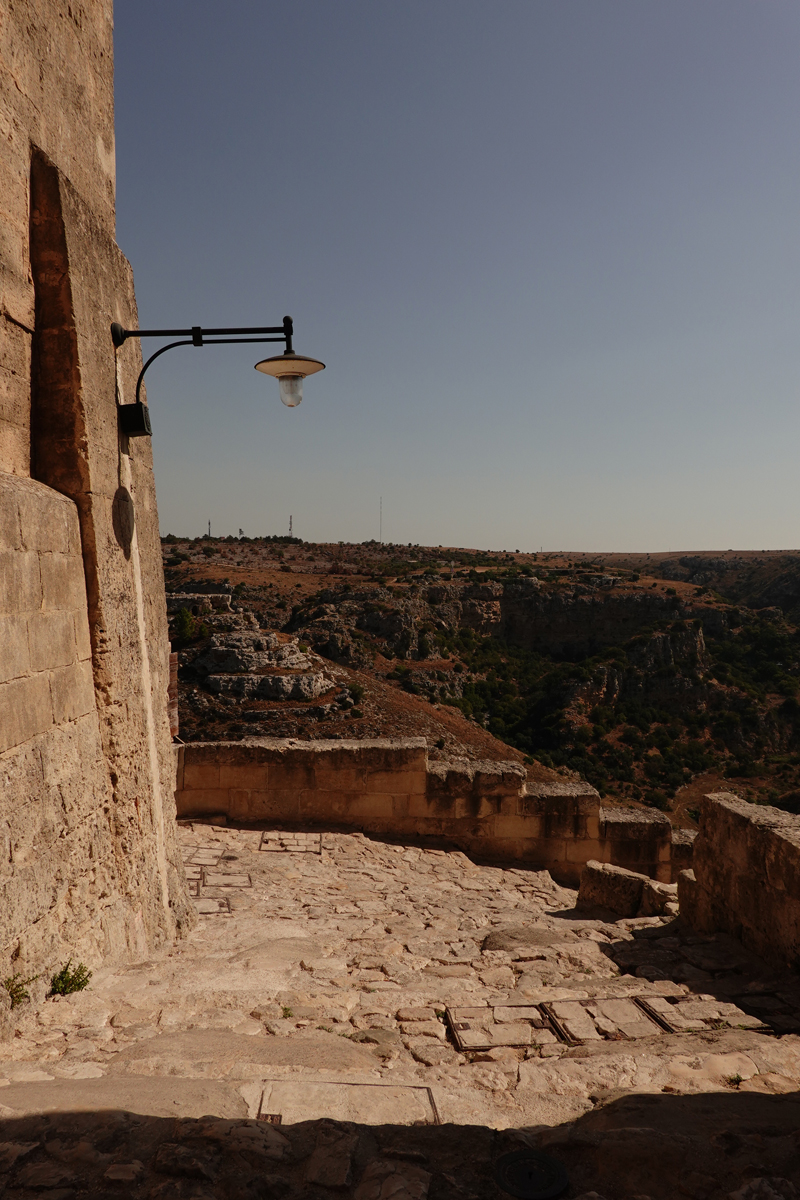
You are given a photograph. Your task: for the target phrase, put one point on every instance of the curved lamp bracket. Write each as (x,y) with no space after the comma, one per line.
(134,419)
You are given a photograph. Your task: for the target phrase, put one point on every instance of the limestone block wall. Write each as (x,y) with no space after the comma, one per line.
(746,877)
(89,861)
(388,787)
(55,843)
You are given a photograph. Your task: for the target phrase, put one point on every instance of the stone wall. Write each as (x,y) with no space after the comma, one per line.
(388,787)
(746,877)
(88,863)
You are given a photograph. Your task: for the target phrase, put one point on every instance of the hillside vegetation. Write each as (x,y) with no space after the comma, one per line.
(654,677)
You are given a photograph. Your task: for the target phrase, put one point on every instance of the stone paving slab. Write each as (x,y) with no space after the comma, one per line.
(219,1053)
(369,1104)
(208,907)
(175,1097)
(223,879)
(201,856)
(574,1019)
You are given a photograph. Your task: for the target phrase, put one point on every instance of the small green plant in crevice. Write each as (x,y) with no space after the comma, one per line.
(17,988)
(733,1081)
(286,1013)
(70,979)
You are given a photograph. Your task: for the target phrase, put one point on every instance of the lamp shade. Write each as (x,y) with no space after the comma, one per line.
(290,364)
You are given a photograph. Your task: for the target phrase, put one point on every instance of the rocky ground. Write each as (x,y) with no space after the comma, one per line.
(352,1017)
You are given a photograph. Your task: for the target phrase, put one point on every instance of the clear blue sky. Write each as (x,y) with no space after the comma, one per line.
(548,249)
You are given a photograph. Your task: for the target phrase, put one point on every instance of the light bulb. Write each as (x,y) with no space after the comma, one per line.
(291,389)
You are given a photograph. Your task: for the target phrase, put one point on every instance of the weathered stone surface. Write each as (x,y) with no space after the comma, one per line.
(746,876)
(658,898)
(136,1094)
(606,886)
(682,851)
(204,1052)
(390,787)
(331,1163)
(86,786)
(260,1013)
(270,687)
(393,1181)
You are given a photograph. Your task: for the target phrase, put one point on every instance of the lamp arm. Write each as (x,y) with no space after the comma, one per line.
(152,358)
(286,330)
(198,337)
(192,342)
(134,419)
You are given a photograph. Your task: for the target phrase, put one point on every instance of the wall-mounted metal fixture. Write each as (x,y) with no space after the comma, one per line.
(289,369)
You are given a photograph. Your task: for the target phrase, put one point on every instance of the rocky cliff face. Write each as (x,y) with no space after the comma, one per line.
(556,666)
(576,623)
(569,623)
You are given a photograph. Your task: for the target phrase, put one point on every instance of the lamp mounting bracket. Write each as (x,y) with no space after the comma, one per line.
(194,336)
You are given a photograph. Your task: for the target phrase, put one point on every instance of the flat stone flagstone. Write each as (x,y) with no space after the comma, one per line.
(208,907)
(201,856)
(220,879)
(369,1104)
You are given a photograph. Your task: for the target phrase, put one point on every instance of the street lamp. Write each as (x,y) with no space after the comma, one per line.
(289,369)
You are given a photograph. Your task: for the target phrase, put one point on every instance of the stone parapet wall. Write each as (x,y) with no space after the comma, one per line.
(746,877)
(388,787)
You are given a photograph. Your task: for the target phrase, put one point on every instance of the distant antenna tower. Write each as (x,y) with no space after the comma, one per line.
(380,523)
(209,528)
(290,525)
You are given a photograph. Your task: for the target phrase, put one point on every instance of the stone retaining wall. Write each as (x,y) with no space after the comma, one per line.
(388,787)
(746,877)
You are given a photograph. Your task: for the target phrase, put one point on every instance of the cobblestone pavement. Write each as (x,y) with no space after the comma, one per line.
(355,1017)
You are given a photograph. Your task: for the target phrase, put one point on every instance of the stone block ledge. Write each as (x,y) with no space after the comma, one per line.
(387,787)
(746,876)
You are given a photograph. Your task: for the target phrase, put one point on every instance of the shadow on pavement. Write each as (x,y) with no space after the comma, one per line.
(628,1147)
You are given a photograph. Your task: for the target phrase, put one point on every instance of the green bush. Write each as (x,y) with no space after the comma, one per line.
(656,799)
(187,628)
(70,979)
(17,988)
(184,625)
